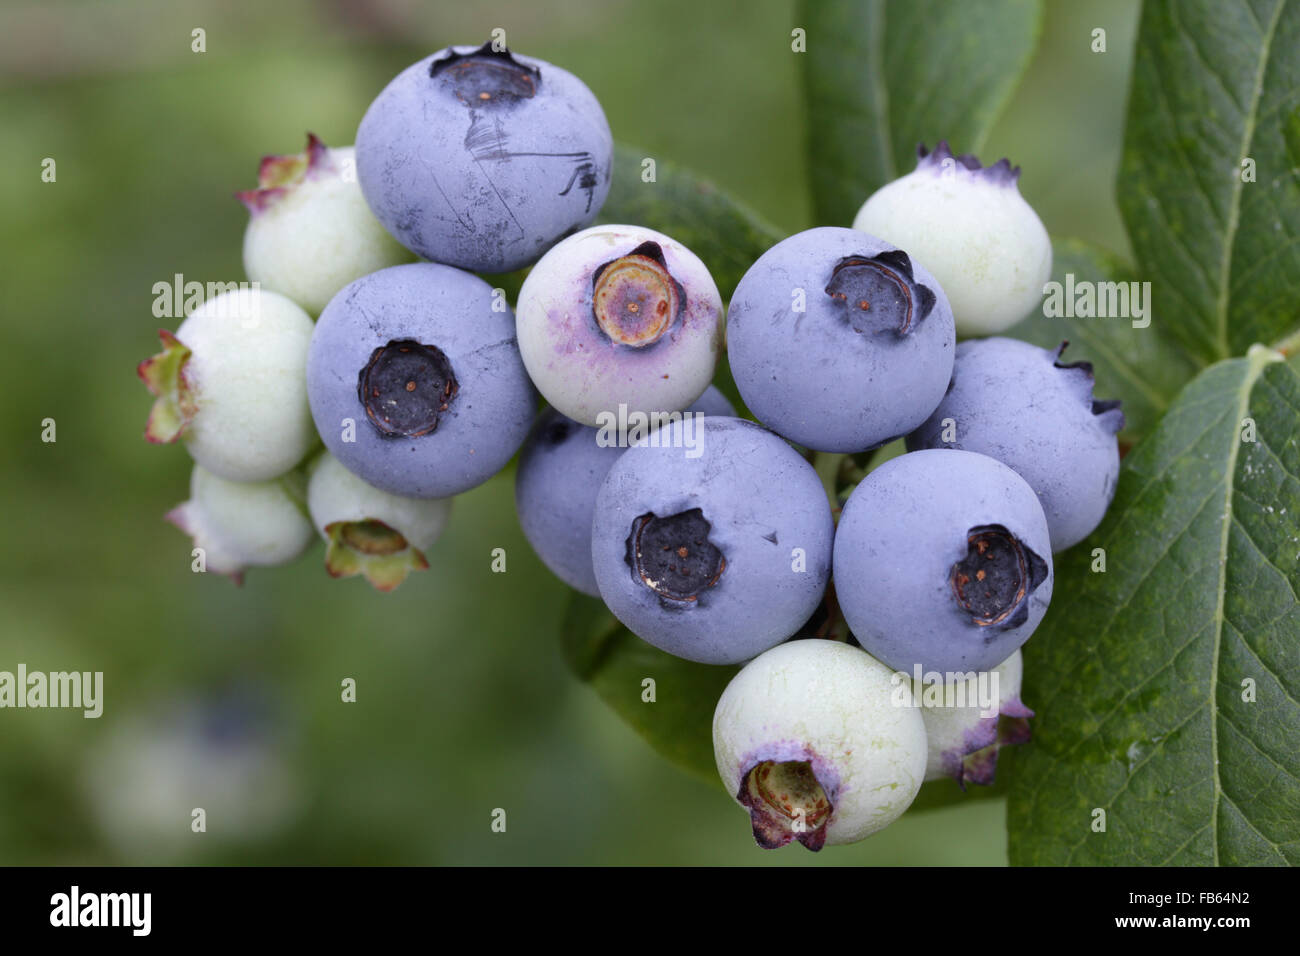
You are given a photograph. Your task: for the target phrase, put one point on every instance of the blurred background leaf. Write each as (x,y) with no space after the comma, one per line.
(725,234)
(678,721)
(882,76)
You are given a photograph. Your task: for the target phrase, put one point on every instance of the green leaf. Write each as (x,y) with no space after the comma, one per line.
(1136,365)
(1138,675)
(678,724)
(725,234)
(882,76)
(1216,83)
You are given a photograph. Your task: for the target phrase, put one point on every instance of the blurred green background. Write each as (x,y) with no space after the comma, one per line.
(464,704)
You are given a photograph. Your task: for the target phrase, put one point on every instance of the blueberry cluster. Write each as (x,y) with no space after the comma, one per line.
(708,535)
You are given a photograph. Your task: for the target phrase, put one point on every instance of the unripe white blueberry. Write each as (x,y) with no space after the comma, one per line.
(964,740)
(153,767)
(812,740)
(311,232)
(232,385)
(244,523)
(368,531)
(973,230)
(619,315)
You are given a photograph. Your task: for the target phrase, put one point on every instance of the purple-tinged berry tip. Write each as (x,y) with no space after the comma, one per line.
(942,160)
(277,176)
(977,760)
(786,802)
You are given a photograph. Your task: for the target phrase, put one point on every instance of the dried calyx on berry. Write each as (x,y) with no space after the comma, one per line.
(879,292)
(310,231)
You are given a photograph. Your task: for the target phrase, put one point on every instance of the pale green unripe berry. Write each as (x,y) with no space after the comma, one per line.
(371,532)
(232,385)
(968,720)
(240,524)
(152,769)
(811,738)
(311,232)
(973,230)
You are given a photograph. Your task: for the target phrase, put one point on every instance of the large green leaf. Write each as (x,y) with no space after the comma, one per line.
(881,76)
(1216,83)
(678,723)
(1137,365)
(1139,674)
(724,233)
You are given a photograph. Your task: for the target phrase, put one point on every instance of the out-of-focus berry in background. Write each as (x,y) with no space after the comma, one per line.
(464,704)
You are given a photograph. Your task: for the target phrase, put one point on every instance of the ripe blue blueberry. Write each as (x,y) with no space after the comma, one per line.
(713,546)
(415,381)
(1022,405)
(481,159)
(839,341)
(561,468)
(942,560)
(972,228)
(619,315)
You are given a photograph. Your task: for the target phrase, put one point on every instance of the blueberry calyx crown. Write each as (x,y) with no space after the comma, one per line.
(785,801)
(673,556)
(1108,411)
(980,766)
(166,376)
(995,578)
(372,537)
(879,293)
(943,162)
(373,549)
(634,298)
(486,76)
(405,387)
(277,176)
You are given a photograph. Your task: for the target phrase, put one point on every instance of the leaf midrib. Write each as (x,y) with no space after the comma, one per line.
(1258,361)
(881,89)
(1234,205)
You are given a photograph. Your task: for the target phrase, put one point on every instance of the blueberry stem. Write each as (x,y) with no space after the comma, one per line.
(849,471)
